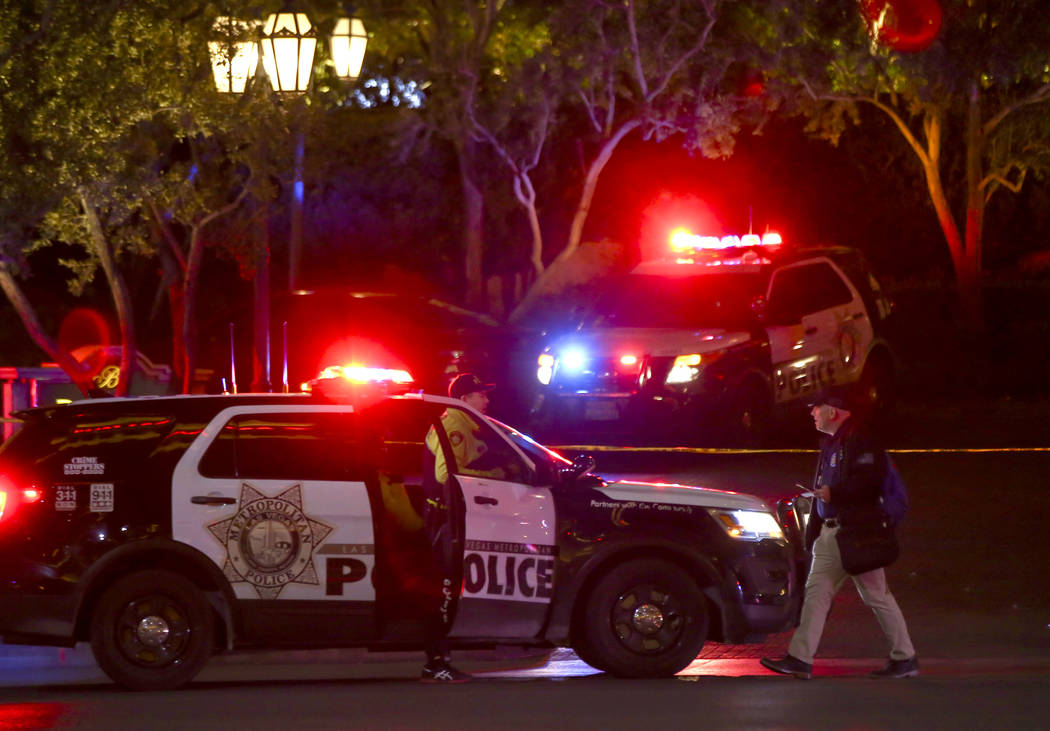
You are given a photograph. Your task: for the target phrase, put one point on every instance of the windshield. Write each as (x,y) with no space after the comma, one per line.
(703,301)
(547,461)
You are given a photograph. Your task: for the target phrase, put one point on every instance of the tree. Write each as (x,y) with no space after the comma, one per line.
(96,103)
(970,105)
(651,67)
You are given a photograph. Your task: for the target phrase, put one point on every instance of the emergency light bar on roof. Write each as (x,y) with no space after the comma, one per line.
(684,242)
(716,251)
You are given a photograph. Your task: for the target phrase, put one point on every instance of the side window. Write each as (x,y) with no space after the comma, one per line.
(479,450)
(803,290)
(786,297)
(399,429)
(286,446)
(824,287)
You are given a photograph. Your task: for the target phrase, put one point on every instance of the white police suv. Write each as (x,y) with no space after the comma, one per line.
(163,530)
(717,337)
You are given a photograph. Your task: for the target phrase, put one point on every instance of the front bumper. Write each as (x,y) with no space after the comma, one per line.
(628,410)
(761,593)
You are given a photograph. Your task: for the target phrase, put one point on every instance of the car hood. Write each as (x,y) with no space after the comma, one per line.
(651,341)
(672,494)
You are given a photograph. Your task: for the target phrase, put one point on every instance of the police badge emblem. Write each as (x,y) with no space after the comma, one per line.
(270,541)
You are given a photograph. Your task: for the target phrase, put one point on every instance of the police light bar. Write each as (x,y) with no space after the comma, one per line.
(685,242)
(363,374)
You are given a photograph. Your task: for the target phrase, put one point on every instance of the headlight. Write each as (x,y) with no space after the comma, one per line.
(748,525)
(546,368)
(685,369)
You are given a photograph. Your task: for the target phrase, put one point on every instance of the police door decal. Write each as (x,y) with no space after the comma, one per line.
(270,541)
(274,499)
(508,558)
(521,572)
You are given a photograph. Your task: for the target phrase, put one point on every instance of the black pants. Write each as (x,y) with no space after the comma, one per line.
(445,581)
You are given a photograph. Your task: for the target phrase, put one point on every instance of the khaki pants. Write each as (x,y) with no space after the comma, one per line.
(825,579)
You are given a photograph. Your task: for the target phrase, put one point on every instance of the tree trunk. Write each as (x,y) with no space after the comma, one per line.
(45,342)
(119,290)
(261,379)
(189,319)
(473,226)
(970,285)
(583,208)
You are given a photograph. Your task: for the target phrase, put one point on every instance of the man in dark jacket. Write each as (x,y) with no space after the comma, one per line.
(847,488)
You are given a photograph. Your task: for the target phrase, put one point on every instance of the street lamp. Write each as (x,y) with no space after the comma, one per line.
(233,61)
(348,42)
(288,42)
(288,46)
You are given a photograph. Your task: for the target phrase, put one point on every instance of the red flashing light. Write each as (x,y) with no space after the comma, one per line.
(685,242)
(12,497)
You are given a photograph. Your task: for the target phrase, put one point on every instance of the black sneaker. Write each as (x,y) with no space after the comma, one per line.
(443,673)
(898,669)
(789,665)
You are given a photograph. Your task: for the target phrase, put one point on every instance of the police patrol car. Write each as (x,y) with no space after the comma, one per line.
(718,337)
(165,529)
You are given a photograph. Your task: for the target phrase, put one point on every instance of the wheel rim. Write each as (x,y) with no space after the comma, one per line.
(153,632)
(647,620)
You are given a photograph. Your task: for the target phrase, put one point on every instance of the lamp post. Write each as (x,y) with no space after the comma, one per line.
(287,43)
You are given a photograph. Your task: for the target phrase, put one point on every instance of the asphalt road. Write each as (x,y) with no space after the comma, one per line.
(972,701)
(971,582)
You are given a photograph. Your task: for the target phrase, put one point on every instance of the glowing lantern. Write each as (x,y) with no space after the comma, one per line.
(233,61)
(348,42)
(288,47)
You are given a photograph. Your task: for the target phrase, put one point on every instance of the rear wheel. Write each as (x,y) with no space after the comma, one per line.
(644,619)
(152,630)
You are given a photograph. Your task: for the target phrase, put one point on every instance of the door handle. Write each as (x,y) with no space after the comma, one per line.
(485,500)
(213,500)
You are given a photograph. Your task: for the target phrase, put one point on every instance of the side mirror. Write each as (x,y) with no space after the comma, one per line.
(582,465)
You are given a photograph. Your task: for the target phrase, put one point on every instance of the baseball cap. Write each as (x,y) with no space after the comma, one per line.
(466,383)
(829,397)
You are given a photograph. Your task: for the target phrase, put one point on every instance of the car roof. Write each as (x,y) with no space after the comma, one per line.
(196,406)
(744,261)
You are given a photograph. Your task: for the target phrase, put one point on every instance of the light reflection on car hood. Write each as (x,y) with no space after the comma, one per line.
(673,494)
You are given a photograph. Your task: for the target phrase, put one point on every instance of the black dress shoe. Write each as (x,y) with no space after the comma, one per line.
(789,665)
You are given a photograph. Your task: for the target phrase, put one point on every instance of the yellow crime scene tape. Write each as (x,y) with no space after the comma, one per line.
(736,450)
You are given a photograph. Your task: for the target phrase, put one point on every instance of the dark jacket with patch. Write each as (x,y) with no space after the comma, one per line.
(853,464)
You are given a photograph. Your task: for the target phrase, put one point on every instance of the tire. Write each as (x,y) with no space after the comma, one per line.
(750,416)
(585,653)
(152,630)
(876,389)
(644,619)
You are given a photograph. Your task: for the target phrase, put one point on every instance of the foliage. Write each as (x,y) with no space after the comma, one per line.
(971,106)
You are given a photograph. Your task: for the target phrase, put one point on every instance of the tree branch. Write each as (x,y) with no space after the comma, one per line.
(1040,95)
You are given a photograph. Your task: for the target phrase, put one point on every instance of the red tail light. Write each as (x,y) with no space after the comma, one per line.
(12,497)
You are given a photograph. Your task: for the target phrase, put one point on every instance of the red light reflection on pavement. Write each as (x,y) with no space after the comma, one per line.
(31,715)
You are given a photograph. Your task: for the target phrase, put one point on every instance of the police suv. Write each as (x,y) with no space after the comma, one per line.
(718,337)
(165,529)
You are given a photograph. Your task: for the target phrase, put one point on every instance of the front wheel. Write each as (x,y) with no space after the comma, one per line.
(749,417)
(645,619)
(152,630)
(877,389)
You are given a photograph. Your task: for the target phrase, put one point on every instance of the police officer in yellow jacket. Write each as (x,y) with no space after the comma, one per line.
(468,448)
(469,452)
